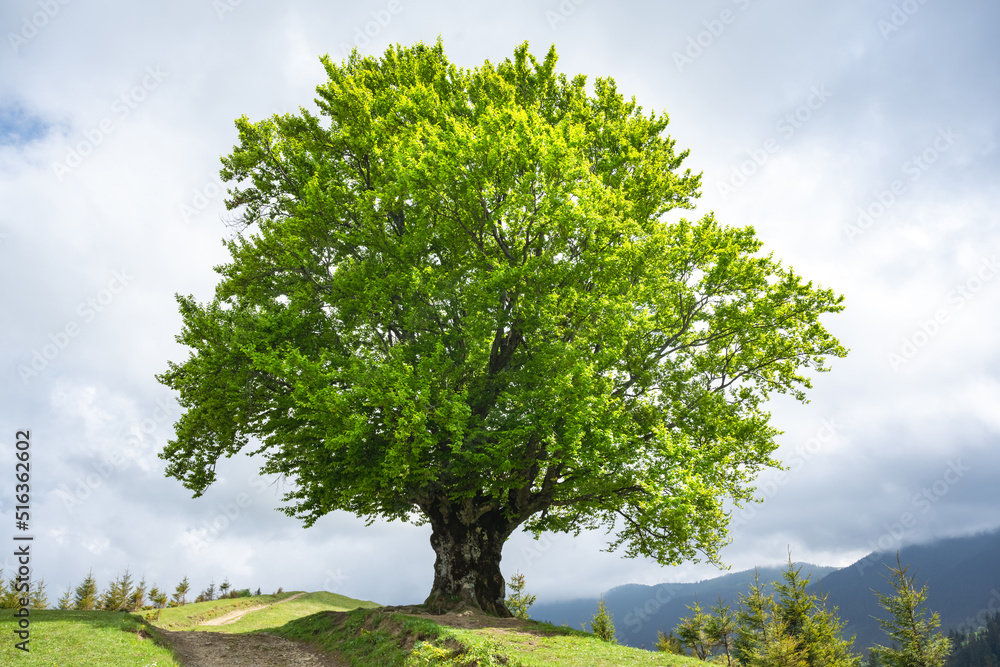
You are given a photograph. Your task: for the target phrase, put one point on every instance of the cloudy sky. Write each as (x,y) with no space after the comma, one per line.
(859,138)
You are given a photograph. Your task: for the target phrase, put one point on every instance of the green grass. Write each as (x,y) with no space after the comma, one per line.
(546,645)
(361,636)
(371,638)
(366,636)
(188,616)
(81,639)
(280,614)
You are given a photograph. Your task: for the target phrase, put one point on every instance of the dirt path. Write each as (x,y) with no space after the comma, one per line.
(217,649)
(236,615)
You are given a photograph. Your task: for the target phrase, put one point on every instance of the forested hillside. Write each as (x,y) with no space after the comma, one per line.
(962,576)
(976,649)
(640,611)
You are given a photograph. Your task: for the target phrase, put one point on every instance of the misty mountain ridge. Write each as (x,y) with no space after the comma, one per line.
(962,577)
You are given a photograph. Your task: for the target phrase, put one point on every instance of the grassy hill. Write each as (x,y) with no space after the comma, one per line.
(82,639)
(399,638)
(278,610)
(367,635)
(372,636)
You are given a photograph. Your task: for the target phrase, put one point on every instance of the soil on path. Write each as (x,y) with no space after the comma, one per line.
(236,615)
(468,620)
(217,649)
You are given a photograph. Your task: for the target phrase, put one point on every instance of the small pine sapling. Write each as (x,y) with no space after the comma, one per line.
(518,601)
(602,624)
(911,629)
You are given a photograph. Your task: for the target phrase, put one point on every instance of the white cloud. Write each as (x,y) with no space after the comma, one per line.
(145,200)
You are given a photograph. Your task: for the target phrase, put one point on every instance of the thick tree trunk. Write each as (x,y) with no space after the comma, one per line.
(468,542)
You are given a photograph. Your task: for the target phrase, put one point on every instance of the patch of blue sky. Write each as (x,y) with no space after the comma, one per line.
(19,127)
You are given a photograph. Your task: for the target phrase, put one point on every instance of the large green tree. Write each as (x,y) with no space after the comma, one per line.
(459,297)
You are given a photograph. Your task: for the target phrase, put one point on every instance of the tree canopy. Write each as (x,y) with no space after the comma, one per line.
(457,296)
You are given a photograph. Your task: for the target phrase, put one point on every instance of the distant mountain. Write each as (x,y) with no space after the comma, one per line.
(640,611)
(962,576)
